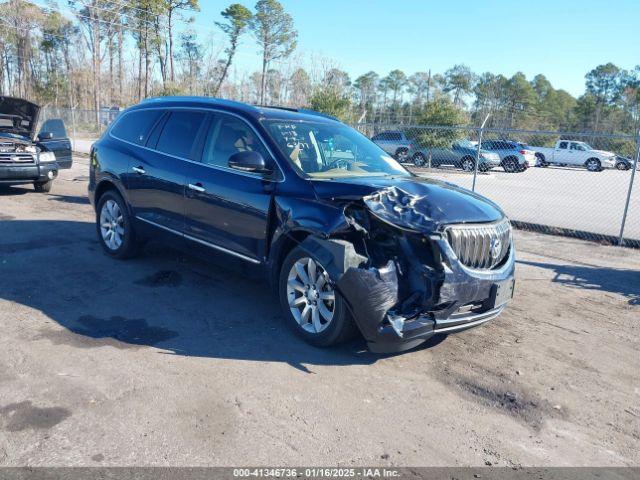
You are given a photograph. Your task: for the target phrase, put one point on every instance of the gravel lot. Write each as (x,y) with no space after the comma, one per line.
(166,360)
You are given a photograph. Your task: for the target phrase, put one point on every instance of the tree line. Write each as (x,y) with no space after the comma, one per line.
(115,53)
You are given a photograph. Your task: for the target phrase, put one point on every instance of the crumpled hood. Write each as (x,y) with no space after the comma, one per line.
(22,113)
(414,203)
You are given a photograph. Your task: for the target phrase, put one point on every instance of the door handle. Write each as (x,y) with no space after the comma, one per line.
(139,170)
(197,187)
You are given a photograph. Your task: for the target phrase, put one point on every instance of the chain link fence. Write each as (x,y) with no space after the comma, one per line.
(568,183)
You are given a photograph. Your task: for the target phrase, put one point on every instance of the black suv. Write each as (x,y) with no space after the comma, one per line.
(24,156)
(349,239)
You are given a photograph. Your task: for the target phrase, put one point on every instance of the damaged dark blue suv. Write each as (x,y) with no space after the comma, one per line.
(350,240)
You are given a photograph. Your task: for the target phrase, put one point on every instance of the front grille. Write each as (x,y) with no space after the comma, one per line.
(14,158)
(481,245)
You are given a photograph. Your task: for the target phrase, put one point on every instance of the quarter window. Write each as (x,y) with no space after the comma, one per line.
(564,145)
(179,133)
(135,126)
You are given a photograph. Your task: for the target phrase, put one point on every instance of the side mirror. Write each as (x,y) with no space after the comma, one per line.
(45,135)
(248,161)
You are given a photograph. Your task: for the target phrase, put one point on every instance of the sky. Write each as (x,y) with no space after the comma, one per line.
(563,39)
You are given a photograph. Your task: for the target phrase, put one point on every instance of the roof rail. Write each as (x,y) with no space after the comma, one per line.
(300,110)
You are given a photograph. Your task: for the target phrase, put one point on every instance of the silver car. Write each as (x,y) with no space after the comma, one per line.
(513,157)
(395,143)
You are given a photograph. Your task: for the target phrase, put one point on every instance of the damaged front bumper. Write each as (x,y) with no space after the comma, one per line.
(467,297)
(461,297)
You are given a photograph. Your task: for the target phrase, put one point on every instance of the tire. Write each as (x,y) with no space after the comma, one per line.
(622,166)
(419,160)
(593,165)
(43,187)
(541,160)
(323,332)
(510,165)
(122,242)
(401,155)
(468,164)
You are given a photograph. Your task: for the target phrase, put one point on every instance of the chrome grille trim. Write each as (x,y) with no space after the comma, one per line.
(482,245)
(13,158)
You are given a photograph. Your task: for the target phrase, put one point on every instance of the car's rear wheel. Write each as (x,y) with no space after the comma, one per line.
(510,165)
(43,187)
(593,165)
(468,164)
(115,229)
(419,160)
(541,160)
(402,154)
(311,305)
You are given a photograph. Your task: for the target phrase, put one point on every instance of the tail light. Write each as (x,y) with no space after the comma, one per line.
(523,152)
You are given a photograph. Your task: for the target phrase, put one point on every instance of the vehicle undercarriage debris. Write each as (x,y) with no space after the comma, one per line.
(398,274)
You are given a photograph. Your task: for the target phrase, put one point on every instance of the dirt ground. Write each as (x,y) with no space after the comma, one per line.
(166,360)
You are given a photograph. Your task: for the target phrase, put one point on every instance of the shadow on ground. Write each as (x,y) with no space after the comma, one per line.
(6,191)
(164,299)
(614,280)
(75,199)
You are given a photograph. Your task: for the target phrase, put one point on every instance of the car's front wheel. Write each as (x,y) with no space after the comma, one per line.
(419,160)
(593,165)
(43,187)
(115,229)
(468,164)
(311,305)
(622,166)
(510,165)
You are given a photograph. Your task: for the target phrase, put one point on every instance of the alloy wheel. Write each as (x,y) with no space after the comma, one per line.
(111,225)
(310,295)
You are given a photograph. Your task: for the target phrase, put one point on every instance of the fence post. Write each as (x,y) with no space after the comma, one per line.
(475,170)
(73,128)
(633,175)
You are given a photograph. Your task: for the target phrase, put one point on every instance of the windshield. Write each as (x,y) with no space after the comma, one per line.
(322,150)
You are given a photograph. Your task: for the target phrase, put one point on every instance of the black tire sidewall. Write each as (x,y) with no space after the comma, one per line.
(129,246)
(43,187)
(597,162)
(465,161)
(341,326)
(419,160)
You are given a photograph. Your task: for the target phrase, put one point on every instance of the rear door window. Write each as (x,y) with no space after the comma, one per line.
(178,137)
(135,126)
(563,145)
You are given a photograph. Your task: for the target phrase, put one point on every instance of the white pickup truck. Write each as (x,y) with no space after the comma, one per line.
(569,152)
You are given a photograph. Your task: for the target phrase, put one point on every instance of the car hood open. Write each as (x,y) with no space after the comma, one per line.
(414,203)
(18,116)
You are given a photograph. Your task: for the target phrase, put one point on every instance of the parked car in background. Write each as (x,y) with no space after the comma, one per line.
(395,143)
(27,158)
(349,238)
(514,157)
(623,163)
(574,153)
(460,154)
(54,135)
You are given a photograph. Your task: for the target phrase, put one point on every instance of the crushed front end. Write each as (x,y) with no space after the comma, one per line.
(408,277)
